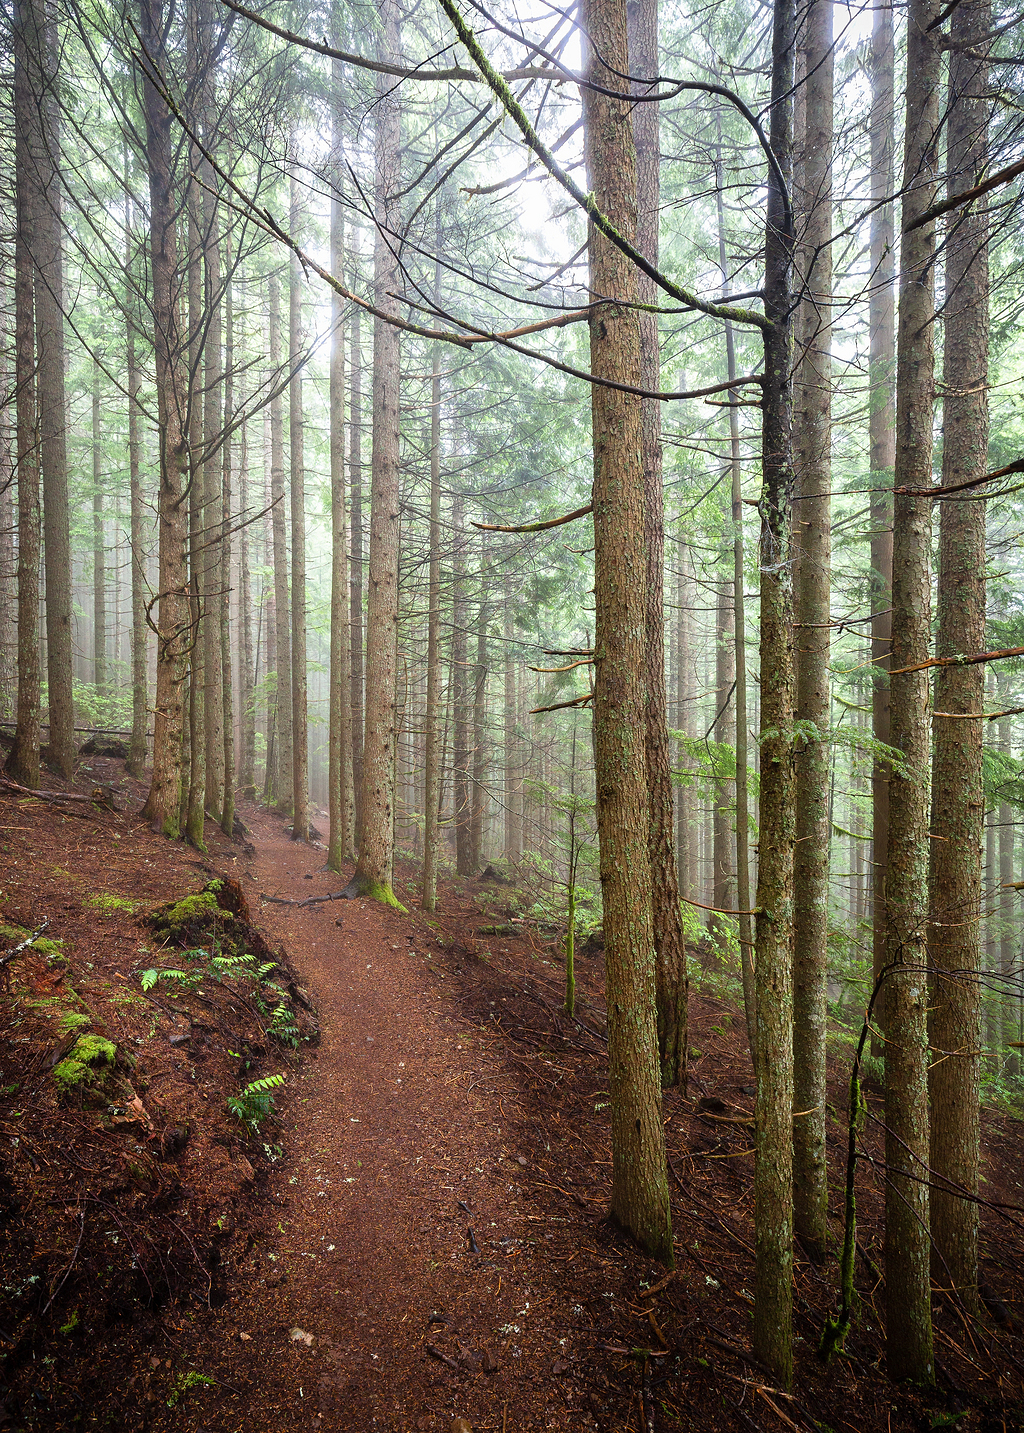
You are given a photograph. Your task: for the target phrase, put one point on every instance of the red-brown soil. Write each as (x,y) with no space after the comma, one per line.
(161,1268)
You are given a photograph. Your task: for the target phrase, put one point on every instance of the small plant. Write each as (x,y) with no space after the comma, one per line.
(188,980)
(185,1383)
(255,1103)
(283,1027)
(105,902)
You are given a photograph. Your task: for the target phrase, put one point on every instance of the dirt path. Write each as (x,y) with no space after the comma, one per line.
(399,1145)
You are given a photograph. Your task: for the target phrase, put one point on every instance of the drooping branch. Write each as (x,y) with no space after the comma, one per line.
(380,67)
(587,202)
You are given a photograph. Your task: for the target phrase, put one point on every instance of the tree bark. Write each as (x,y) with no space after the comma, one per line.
(341,806)
(432,772)
(640,1201)
(477,793)
(99,547)
(210,558)
(773,1107)
(882,457)
(282,602)
(669,949)
(227,813)
(958,800)
(459,679)
(373,873)
(908,1295)
(44,148)
(355,478)
(811,576)
(248,659)
(173,625)
(140,705)
(296,434)
(23,762)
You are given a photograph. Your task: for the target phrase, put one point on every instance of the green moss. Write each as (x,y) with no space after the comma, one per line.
(104,902)
(81,1069)
(192,909)
(73,1323)
(381,891)
(11,935)
(72,1020)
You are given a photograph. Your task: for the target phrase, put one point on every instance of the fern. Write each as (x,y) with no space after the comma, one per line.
(255,1103)
(190,980)
(283,1027)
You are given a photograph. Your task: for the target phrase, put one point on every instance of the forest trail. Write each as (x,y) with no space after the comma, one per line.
(397,1145)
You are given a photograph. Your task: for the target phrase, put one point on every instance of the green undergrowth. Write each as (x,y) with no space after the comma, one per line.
(85,1069)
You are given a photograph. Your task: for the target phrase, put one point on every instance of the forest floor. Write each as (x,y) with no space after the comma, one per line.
(417,1233)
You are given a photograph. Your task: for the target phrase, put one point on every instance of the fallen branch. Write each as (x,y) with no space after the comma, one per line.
(98,795)
(9,955)
(309,901)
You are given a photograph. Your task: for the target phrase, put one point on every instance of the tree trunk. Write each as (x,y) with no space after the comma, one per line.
(282,604)
(373,873)
(882,444)
(723,884)
(8,488)
(958,799)
(44,143)
(908,1301)
(640,1201)
(140,705)
(432,772)
(478,791)
(459,680)
(23,762)
(355,478)
(513,843)
(194,757)
(746,929)
(248,660)
(99,547)
(300,727)
(811,576)
(227,814)
(173,625)
(669,949)
(341,807)
(211,556)
(773,1108)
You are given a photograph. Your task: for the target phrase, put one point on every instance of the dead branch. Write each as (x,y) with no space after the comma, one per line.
(538,526)
(994,181)
(961,660)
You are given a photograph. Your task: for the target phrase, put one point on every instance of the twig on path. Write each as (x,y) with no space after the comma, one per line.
(10,954)
(444,1358)
(309,901)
